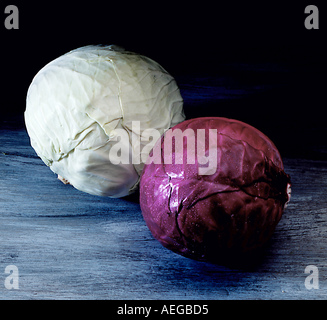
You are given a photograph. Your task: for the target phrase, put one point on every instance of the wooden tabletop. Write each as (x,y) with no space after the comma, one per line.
(70,245)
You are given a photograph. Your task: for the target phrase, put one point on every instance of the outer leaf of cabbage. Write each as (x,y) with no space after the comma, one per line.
(76,103)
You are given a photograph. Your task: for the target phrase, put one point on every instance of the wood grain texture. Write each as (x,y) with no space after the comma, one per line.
(71,245)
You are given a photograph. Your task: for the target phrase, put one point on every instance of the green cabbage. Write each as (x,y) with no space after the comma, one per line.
(77,104)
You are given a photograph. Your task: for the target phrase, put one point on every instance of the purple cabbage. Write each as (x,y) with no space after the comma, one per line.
(231,211)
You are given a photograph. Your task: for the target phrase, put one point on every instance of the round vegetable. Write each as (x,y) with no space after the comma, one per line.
(213,189)
(78,105)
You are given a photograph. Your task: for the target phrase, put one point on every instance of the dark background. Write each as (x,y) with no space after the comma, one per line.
(253,61)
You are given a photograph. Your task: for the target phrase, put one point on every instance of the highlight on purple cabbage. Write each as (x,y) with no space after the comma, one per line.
(213,188)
